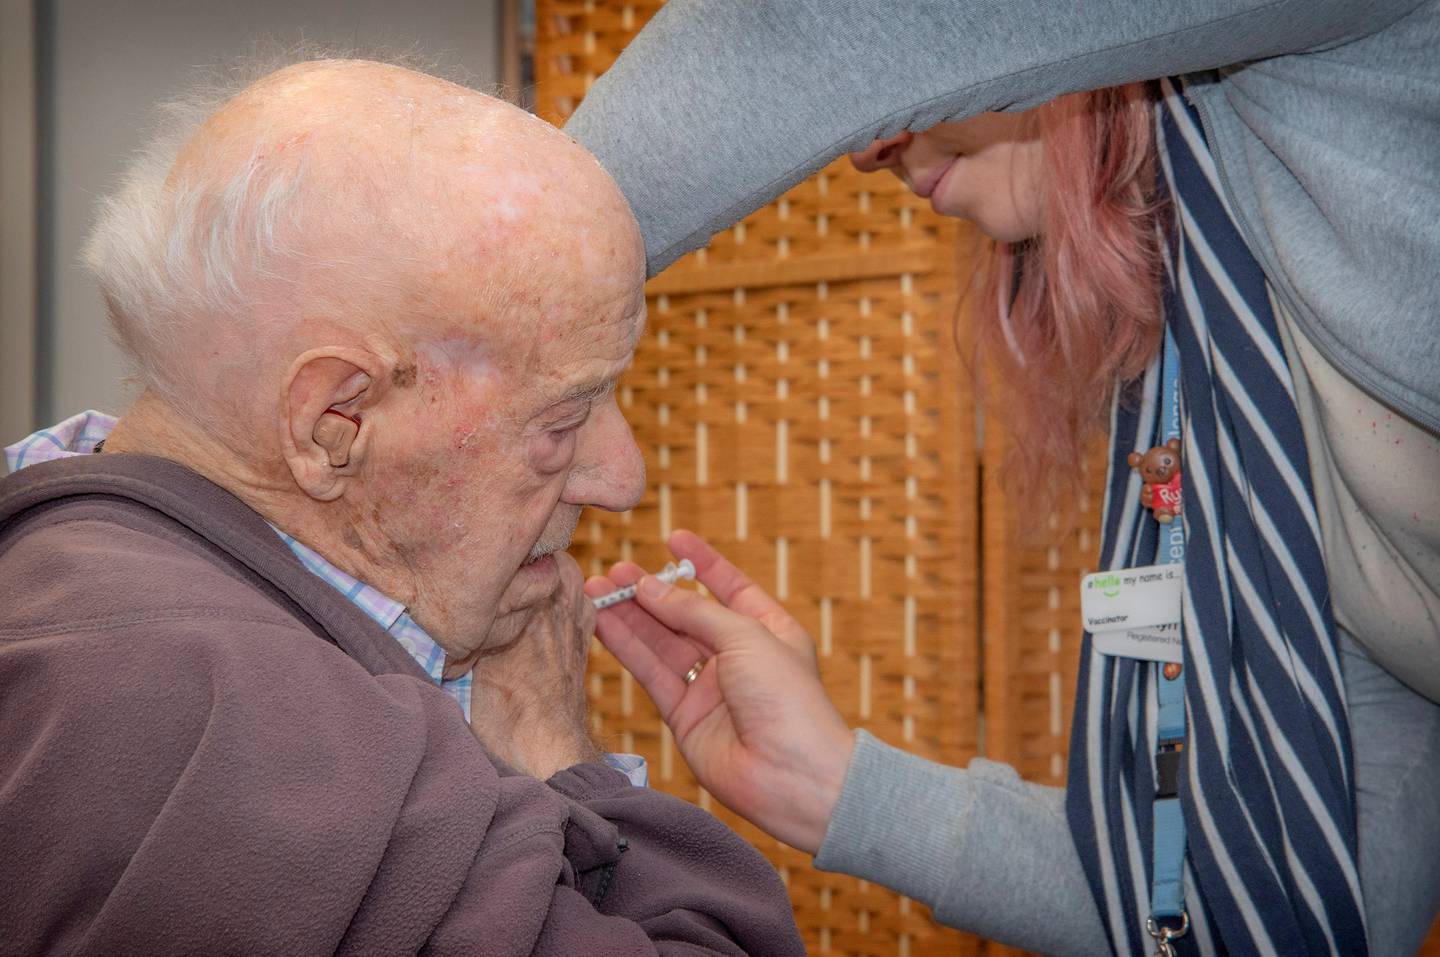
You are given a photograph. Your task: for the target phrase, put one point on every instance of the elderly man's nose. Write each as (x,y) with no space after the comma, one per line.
(882,154)
(614,476)
(620,481)
(630,477)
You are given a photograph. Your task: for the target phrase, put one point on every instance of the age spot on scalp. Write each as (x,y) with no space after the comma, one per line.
(403,377)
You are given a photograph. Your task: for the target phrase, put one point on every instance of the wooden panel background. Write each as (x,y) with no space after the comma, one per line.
(798,399)
(801,402)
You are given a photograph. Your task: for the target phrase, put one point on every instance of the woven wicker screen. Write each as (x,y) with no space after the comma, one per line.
(800,401)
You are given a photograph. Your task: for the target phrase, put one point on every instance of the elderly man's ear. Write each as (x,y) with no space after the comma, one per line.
(325,435)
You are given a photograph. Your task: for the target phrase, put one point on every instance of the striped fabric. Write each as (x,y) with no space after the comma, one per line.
(1266,787)
(388,614)
(77,435)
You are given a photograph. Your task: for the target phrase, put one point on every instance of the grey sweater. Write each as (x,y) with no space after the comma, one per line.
(1324,116)
(1325,120)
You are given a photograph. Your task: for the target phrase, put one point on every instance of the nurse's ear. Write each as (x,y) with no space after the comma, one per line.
(882,154)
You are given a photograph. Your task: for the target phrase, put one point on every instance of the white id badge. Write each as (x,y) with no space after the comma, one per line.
(1135,612)
(1161,643)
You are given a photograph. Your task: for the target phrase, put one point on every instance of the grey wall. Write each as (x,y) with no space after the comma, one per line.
(102,65)
(17,218)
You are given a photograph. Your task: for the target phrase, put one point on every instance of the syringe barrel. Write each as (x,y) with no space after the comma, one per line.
(671,573)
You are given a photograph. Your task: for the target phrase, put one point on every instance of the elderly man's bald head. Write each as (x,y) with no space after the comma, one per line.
(389,313)
(344,193)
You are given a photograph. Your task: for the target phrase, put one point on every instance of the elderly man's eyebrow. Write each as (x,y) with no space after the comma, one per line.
(586,392)
(592,391)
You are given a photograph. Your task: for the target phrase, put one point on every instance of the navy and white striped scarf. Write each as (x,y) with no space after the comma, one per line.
(1267,785)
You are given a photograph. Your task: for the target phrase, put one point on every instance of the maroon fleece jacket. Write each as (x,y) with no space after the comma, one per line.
(205,749)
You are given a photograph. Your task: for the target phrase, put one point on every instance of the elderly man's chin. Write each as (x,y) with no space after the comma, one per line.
(532,585)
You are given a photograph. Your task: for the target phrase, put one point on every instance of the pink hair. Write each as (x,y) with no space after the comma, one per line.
(1067,316)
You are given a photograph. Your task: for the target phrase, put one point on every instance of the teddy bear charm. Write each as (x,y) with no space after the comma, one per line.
(1159,468)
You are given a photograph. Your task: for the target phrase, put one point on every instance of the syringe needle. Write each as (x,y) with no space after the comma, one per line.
(670,573)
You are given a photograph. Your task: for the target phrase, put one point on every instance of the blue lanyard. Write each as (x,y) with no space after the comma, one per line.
(1167,897)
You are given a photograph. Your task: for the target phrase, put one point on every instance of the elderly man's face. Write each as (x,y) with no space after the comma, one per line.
(469,288)
(508,433)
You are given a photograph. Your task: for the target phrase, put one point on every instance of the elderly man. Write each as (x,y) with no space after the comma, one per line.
(378,319)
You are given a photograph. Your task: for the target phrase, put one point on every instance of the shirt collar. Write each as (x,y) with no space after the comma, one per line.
(77,435)
(385,610)
(82,432)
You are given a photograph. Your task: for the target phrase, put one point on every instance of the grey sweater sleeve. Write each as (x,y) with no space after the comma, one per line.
(718,106)
(988,852)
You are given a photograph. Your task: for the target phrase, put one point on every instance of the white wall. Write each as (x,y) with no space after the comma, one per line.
(104,64)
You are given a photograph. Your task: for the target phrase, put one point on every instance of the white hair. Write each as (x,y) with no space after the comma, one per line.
(180,258)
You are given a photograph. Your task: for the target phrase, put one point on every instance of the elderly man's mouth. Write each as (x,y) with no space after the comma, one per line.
(542,563)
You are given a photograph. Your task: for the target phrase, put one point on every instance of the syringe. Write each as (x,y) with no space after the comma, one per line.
(670,573)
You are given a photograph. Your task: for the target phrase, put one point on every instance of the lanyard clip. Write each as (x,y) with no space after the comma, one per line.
(1168,756)
(1164,935)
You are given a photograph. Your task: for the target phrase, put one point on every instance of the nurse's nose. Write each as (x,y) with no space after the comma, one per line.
(882,154)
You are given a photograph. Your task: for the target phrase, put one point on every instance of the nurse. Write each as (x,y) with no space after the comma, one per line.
(1265,780)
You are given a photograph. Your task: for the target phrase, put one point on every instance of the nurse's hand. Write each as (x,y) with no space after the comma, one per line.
(755,724)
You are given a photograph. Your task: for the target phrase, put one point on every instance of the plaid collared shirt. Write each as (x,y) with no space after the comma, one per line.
(390,615)
(81,433)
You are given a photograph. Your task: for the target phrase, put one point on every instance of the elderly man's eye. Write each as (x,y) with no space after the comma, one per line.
(552,449)
(562,436)
(558,436)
